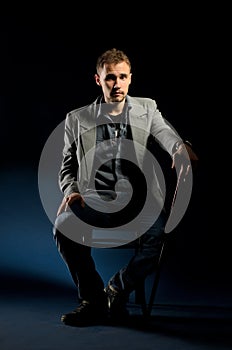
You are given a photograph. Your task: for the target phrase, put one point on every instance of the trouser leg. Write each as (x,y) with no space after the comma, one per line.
(144,261)
(78,259)
(81,267)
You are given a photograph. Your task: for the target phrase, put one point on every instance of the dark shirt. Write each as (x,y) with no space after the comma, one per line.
(110,164)
(115,172)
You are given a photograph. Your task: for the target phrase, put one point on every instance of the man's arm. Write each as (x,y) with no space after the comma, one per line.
(67,177)
(69,166)
(181,151)
(68,172)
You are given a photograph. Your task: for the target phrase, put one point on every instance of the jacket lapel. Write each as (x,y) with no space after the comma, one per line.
(139,128)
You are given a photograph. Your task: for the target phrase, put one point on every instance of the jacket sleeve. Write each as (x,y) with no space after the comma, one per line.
(162,131)
(69,166)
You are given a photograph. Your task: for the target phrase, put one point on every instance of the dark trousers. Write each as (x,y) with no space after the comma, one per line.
(73,227)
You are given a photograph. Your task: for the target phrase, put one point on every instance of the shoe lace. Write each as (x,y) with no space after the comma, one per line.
(111,291)
(82,305)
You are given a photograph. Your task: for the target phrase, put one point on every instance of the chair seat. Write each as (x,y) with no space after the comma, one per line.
(106,238)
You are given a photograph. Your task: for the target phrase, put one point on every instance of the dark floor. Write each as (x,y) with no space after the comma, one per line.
(30,319)
(184,317)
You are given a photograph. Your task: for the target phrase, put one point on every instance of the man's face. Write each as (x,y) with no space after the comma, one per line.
(114,80)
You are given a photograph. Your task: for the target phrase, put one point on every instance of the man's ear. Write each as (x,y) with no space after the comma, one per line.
(97,79)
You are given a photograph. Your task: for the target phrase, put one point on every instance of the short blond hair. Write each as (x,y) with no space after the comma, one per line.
(112,56)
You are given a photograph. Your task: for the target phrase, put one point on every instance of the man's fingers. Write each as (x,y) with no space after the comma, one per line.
(187,170)
(61,208)
(68,201)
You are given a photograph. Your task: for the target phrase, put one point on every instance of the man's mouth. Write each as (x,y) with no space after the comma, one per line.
(116,93)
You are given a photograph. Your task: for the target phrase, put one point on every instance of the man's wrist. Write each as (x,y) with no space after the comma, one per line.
(178,144)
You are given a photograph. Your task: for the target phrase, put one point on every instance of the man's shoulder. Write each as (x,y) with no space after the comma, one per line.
(146,102)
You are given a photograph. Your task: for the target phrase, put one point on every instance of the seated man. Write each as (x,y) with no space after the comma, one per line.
(110,179)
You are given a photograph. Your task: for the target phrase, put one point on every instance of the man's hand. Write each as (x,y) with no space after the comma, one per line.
(69,200)
(184,157)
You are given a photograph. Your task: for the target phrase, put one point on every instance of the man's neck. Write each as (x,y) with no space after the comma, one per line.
(114,108)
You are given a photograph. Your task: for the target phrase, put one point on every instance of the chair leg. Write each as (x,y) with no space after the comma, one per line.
(155,283)
(140,297)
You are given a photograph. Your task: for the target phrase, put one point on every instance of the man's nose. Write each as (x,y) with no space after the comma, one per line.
(117,83)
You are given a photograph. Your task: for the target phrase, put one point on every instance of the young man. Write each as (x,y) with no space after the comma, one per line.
(110,179)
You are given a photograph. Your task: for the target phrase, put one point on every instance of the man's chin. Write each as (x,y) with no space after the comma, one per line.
(117,99)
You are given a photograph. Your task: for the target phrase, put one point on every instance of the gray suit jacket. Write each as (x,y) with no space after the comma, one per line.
(80,140)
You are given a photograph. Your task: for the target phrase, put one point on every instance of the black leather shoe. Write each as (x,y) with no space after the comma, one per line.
(117,302)
(86,314)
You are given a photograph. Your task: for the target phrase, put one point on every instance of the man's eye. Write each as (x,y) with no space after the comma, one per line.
(113,77)
(123,76)
(110,77)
